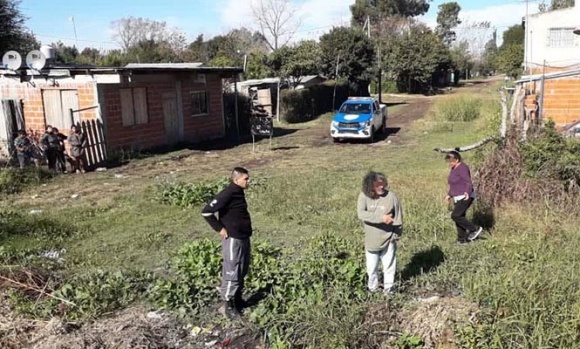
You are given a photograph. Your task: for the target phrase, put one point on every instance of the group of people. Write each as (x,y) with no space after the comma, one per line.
(52,146)
(378,207)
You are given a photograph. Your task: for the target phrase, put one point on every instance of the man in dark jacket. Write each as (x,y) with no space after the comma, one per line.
(235,228)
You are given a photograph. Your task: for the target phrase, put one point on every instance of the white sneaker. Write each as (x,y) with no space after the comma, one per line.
(473,235)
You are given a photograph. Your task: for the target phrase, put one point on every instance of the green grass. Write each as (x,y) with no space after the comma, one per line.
(522,276)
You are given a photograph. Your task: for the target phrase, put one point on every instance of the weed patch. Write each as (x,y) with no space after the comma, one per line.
(458,109)
(13,180)
(187,194)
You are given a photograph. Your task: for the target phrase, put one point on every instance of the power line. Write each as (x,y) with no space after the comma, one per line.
(73,39)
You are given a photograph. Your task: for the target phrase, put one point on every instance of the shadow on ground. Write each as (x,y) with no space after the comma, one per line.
(423,262)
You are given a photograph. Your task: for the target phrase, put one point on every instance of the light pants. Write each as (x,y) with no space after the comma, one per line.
(388,258)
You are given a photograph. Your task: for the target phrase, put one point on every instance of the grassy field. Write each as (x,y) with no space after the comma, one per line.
(518,284)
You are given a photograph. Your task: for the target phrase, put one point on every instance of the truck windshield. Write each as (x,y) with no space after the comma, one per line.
(356,108)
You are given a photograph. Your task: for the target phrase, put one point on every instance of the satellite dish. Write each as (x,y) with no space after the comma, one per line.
(35,60)
(11,60)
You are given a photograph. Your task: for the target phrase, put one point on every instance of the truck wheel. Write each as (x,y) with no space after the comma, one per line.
(384,126)
(372,135)
(335,140)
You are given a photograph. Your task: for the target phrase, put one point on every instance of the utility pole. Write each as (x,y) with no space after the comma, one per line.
(72,19)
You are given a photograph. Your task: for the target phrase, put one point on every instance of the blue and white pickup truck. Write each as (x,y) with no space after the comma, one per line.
(359,118)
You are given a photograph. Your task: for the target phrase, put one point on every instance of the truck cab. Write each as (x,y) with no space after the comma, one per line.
(359,118)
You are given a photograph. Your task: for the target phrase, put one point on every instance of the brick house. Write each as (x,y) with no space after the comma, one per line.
(552,65)
(138,106)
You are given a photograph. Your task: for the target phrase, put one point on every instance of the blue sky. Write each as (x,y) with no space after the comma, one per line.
(50,20)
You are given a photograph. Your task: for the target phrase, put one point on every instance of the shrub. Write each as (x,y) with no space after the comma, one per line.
(307,104)
(458,109)
(13,180)
(188,194)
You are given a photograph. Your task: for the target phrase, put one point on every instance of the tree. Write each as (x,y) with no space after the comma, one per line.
(447,19)
(416,58)
(378,10)
(555,5)
(490,55)
(13,33)
(510,55)
(130,31)
(297,60)
(354,54)
(152,51)
(514,35)
(461,59)
(509,59)
(258,66)
(64,53)
(277,20)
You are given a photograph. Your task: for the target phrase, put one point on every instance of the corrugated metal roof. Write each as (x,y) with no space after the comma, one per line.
(163,65)
(548,76)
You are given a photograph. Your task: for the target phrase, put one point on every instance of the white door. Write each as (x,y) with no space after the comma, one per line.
(57,107)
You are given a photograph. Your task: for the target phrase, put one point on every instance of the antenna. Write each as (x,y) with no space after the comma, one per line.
(35,60)
(11,60)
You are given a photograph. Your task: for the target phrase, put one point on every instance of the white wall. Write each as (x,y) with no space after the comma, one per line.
(538,46)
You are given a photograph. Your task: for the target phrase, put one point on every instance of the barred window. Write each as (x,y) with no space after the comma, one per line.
(561,37)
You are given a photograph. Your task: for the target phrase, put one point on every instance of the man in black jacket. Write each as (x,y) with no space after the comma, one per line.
(235,228)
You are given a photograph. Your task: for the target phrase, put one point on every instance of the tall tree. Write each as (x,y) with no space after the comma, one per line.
(130,31)
(510,55)
(416,57)
(277,20)
(378,10)
(353,52)
(514,35)
(13,33)
(447,19)
(296,60)
(555,5)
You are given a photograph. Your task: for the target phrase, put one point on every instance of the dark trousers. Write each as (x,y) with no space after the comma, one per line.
(236,263)
(51,154)
(464,226)
(60,161)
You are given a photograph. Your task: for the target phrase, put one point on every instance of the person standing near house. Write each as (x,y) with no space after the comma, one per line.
(50,144)
(23,147)
(234,226)
(382,216)
(78,143)
(60,155)
(462,194)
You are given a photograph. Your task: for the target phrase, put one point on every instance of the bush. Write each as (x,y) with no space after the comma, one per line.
(13,180)
(307,104)
(549,155)
(458,109)
(188,194)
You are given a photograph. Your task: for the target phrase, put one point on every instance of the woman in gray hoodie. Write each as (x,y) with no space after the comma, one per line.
(382,216)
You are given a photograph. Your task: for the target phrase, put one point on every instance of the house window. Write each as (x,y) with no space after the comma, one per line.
(134,106)
(561,37)
(199,103)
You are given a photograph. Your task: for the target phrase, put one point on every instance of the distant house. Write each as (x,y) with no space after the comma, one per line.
(552,59)
(137,106)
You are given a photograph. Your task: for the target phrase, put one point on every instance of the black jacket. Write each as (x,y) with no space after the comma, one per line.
(232,208)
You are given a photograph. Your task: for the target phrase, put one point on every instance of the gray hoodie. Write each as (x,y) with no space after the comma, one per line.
(378,234)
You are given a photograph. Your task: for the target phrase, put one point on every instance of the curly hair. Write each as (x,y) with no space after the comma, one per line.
(368,183)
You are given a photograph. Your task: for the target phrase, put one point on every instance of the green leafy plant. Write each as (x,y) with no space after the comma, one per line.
(188,194)
(407,341)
